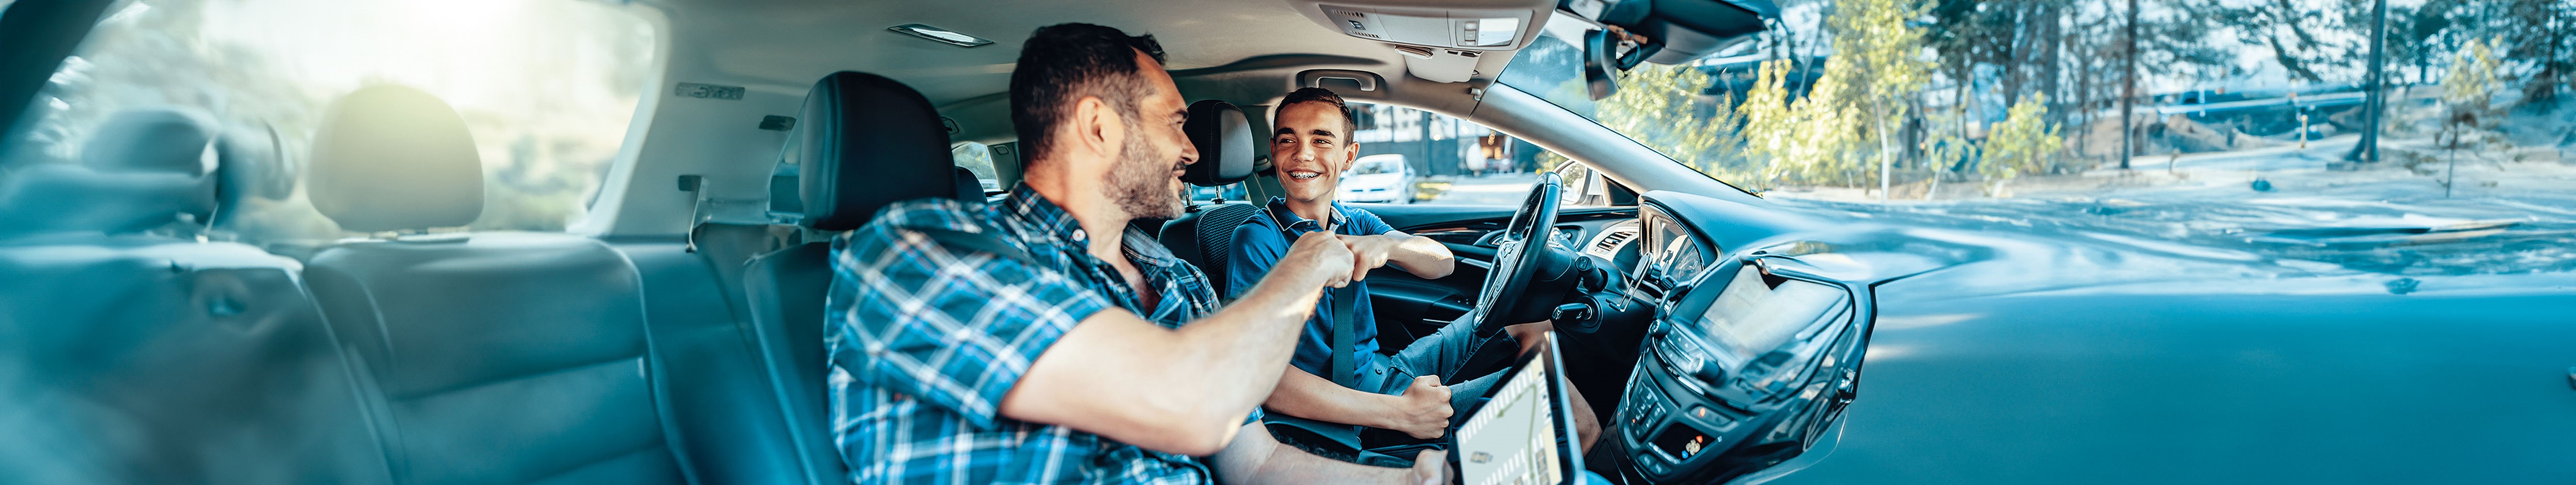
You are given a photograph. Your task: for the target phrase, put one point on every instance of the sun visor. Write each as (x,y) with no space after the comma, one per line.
(1679,30)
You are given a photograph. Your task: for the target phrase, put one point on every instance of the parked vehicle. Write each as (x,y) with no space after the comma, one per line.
(1383,177)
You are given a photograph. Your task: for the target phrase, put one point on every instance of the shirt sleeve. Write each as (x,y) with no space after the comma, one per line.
(1256,248)
(1368,223)
(955,329)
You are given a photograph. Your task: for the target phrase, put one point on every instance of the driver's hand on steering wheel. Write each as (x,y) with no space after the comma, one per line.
(1423,410)
(1371,252)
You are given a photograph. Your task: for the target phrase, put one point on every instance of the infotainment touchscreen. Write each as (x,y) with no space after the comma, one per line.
(1757,313)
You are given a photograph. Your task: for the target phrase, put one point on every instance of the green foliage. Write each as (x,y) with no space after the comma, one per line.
(2469,114)
(1661,105)
(1869,85)
(2023,143)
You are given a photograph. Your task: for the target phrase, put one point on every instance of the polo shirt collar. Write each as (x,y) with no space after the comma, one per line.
(1279,208)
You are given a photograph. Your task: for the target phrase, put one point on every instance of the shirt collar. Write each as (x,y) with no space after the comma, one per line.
(1279,208)
(1041,214)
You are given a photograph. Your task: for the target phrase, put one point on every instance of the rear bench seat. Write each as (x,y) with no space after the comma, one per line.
(501,357)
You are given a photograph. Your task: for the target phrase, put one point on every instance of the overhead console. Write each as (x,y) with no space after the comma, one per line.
(1442,40)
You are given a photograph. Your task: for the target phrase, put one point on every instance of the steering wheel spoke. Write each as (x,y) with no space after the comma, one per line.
(1515,261)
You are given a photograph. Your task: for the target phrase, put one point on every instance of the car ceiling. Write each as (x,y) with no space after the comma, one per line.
(1244,51)
(1239,50)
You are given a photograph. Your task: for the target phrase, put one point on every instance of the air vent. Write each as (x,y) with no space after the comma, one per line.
(1610,242)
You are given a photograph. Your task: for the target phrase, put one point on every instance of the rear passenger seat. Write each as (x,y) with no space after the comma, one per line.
(446,356)
(501,357)
(131,352)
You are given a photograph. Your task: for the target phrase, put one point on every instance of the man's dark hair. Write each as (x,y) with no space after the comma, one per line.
(1321,95)
(1062,63)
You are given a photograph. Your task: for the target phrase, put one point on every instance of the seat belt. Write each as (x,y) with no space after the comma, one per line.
(1346,342)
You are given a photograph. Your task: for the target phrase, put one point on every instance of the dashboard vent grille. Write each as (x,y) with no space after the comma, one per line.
(1610,242)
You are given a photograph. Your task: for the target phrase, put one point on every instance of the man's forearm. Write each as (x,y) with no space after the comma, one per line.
(1422,256)
(1306,396)
(1234,356)
(1256,458)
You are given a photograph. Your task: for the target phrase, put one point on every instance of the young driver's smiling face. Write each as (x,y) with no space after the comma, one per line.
(1310,148)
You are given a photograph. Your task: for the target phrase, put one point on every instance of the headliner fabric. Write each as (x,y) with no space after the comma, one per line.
(392,158)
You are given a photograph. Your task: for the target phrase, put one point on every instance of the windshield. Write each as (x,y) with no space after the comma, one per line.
(2010,116)
(546,87)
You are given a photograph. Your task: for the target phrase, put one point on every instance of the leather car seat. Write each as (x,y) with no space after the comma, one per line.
(136,353)
(862,141)
(1226,150)
(501,357)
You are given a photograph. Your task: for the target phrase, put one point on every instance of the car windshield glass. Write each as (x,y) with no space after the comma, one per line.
(545,87)
(2237,143)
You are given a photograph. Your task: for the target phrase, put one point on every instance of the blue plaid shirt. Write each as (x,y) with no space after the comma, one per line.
(925,341)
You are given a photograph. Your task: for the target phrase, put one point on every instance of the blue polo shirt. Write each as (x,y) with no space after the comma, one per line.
(1258,245)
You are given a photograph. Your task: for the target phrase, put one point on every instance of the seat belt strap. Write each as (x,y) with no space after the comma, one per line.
(1345,340)
(1345,306)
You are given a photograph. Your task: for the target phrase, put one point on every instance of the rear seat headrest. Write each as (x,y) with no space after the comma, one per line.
(173,140)
(866,141)
(56,197)
(392,158)
(142,169)
(1225,143)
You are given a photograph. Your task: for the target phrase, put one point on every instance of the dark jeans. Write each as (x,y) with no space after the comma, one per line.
(1444,353)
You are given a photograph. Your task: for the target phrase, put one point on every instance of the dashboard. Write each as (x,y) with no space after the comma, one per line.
(1749,355)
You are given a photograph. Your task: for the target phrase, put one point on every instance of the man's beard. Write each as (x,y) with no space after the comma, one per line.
(1141,185)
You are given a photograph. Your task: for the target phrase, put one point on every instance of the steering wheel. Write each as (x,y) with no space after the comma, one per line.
(1518,254)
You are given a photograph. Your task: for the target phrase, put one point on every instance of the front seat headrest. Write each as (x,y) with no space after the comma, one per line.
(866,141)
(392,158)
(1225,143)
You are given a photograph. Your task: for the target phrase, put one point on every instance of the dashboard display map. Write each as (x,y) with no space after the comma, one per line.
(1512,438)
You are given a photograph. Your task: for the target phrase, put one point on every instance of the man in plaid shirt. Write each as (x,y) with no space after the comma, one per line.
(1097,357)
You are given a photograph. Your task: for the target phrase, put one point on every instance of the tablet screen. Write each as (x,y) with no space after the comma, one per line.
(1512,438)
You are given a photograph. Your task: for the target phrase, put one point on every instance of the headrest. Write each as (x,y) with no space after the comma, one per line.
(1225,143)
(64,197)
(392,158)
(169,140)
(866,141)
(968,188)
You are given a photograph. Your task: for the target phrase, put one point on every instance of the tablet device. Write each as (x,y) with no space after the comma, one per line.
(1522,434)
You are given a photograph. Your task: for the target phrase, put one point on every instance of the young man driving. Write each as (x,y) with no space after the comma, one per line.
(1310,147)
(1100,357)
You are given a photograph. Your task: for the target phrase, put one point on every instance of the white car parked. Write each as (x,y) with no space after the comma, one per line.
(1383,177)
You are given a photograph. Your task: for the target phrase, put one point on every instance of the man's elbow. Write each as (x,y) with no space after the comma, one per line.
(1207,436)
(1193,429)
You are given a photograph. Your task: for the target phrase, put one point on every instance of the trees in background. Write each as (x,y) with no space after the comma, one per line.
(1912,91)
